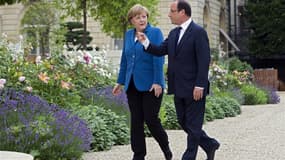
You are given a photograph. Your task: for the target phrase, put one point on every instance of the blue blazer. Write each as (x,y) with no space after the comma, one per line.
(188,62)
(145,69)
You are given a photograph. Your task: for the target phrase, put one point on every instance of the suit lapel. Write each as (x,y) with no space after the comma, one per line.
(184,38)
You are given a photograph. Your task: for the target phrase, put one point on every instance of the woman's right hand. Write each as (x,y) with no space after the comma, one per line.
(117,90)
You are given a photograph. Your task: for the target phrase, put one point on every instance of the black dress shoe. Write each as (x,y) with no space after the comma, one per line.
(211,153)
(168,155)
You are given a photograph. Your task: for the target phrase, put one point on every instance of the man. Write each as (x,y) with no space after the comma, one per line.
(188,65)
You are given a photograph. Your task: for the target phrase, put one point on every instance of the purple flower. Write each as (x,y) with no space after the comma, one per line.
(28,122)
(106,93)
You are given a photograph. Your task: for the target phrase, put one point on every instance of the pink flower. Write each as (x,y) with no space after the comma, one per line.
(87,58)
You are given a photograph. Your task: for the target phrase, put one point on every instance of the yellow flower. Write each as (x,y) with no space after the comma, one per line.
(43,77)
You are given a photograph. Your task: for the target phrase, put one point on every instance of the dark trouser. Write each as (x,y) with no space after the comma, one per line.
(190,116)
(144,107)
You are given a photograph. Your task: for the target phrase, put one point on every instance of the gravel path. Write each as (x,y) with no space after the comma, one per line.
(257,134)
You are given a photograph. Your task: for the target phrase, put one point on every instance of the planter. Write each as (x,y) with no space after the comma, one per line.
(9,155)
(266,78)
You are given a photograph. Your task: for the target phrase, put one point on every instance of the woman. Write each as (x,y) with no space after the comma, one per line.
(143,80)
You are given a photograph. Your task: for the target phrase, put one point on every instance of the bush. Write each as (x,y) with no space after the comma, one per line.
(253,95)
(107,127)
(116,124)
(29,124)
(103,97)
(234,93)
(209,114)
(213,105)
(273,97)
(222,107)
(58,79)
(168,113)
(235,64)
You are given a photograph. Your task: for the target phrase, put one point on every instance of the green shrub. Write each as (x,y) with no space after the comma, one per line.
(233,103)
(222,107)
(227,108)
(103,97)
(107,127)
(212,103)
(103,138)
(254,95)
(209,114)
(234,93)
(58,79)
(168,113)
(116,124)
(235,64)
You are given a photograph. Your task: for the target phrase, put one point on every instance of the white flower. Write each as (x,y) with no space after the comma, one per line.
(4,35)
(38,59)
(21,37)
(2,81)
(22,78)
(1,86)
(29,89)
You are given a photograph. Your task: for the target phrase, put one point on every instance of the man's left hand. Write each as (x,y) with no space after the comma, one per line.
(198,93)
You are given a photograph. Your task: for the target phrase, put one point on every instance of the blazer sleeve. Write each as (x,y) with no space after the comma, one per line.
(158,75)
(158,50)
(203,58)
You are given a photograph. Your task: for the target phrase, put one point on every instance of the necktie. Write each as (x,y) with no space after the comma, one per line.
(177,34)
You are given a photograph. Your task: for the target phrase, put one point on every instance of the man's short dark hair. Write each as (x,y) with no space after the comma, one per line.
(182,4)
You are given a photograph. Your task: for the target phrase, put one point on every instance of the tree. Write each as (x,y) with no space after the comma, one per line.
(74,35)
(37,24)
(7,2)
(111,14)
(266,20)
(77,9)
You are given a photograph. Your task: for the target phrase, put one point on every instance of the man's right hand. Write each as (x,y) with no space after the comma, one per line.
(141,36)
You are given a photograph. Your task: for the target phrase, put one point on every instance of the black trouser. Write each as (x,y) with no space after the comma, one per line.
(144,107)
(190,115)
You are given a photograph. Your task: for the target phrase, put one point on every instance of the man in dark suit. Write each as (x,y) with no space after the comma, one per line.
(187,47)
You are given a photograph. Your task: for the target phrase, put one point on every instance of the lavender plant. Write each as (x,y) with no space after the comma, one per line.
(104,95)
(31,125)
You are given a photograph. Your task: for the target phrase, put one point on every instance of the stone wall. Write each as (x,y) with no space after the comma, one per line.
(10,19)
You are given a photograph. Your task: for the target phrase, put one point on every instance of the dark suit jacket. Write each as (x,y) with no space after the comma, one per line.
(188,63)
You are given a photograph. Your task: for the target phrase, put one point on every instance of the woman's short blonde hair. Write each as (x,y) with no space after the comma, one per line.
(136,10)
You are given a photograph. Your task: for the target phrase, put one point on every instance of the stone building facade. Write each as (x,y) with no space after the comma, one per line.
(213,15)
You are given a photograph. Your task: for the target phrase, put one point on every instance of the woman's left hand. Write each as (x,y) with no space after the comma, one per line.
(157,89)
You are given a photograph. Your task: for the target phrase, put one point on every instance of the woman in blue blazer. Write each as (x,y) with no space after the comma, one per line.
(141,75)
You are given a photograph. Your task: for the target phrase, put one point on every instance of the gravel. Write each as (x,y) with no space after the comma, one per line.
(257,134)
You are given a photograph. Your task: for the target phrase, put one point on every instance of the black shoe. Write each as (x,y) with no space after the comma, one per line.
(211,153)
(168,155)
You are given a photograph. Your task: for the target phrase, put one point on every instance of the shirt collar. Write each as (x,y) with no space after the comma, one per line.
(186,24)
